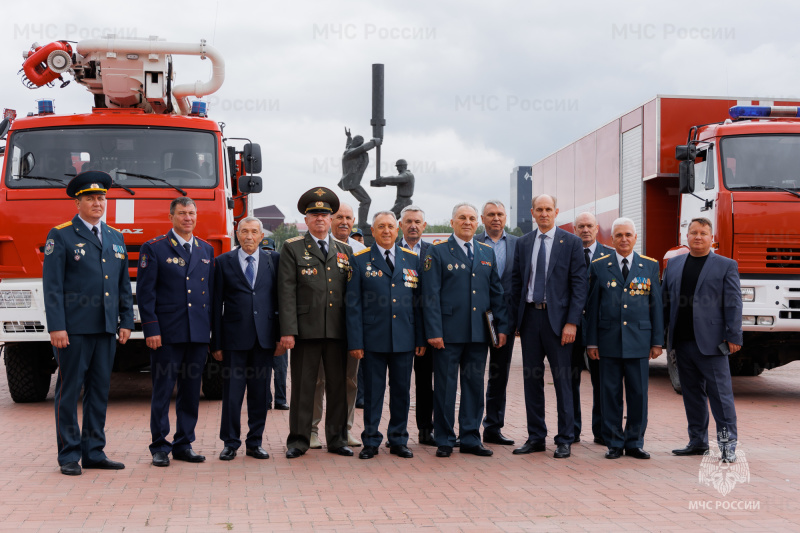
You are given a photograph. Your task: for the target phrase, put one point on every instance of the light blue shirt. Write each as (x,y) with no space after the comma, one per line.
(383,252)
(182,242)
(548,246)
(464,248)
(417,248)
(243,263)
(500,248)
(98,226)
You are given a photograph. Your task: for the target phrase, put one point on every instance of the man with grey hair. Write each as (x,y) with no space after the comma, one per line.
(174,286)
(460,284)
(503,244)
(625,329)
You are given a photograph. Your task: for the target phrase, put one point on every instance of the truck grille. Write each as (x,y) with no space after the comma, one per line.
(15,299)
(23,327)
(776,254)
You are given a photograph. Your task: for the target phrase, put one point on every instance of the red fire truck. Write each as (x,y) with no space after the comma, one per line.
(735,161)
(155,144)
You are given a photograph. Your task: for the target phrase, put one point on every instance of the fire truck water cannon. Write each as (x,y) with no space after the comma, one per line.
(124,73)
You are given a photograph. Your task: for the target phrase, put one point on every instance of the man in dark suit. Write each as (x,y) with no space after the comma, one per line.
(412,223)
(312,276)
(87,297)
(586,228)
(460,284)
(549,292)
(384,332)
(245,334)
(624,329)
(703,309)
(174,291)
(503,244)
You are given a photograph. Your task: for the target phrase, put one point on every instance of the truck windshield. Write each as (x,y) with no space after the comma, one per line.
(49,158)
(761,162)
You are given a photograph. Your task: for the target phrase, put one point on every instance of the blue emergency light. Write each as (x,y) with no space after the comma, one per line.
(763,111)
(45,107)
(199,109)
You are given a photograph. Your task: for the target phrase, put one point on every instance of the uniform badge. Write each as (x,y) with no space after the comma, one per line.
(206,261)
(613,283)
(349,274)
(449,267)
(455,266)
(174,242)
(81,244)
(487,263)
(428,262)
(463,265)
(380,273)
(49,246)
(181,262)
(143,261)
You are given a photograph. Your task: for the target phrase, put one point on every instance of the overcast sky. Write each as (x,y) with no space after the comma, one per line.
(473,89)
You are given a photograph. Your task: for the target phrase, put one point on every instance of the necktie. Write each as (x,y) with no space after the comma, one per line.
(250,271)
(540,275)
(586,256)
(188,248)
(96,234)
(625,268)
(323,247)
(470,255)
(389,261)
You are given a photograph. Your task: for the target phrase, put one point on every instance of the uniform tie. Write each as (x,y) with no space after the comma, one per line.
(96,234)
(250,271)
(470,255)
(323,247)
(188,248)
(625,269)
(389,261)
(586,256)
(540,275)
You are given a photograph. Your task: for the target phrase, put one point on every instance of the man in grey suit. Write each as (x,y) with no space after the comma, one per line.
(494,223)
(703,309)
(548,288)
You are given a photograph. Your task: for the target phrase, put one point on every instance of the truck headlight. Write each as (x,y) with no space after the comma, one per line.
(765,320)
(748,294)
(15,299)
(748,320)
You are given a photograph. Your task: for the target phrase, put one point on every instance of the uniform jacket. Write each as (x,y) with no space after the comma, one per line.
(311,288)
(599,251)
(565,286)
(717,301)
(174,291)
(244,316)
(456,294)
(624,317)
(505,279)
(383,308)
(87,287)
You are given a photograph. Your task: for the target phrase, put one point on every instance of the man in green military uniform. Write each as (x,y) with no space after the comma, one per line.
(87,297)
(312,277)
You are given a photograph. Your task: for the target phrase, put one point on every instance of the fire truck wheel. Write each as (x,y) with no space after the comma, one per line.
(672,367)
(212,379)
(28,368)
(742,366)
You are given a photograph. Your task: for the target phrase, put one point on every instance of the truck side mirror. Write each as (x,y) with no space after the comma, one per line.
(250,184)
(686,152)
(686,177)
(252,158)
(4,127)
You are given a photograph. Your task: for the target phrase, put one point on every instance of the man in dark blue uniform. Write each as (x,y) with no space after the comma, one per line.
(245,336)
(87,297)
(174,289)
(624,329)
(384,331)
(460,284)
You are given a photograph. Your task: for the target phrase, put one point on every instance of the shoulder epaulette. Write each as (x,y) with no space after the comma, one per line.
(64,225)
(203,241)
(365,250)
(601,258)
(338,240)
(156,239)
(436,243)
(293,239)
(115,229)
(483,243)
(650,258)
(409,251)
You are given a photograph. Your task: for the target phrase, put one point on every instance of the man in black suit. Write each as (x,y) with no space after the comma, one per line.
(494,223)
(548,292)
(586,228)
(245,334)
(412,222)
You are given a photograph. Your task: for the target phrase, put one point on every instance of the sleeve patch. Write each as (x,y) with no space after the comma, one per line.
(428,262)
(49,246)
(143,261)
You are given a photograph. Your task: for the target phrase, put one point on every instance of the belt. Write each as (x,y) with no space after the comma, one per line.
(542,305)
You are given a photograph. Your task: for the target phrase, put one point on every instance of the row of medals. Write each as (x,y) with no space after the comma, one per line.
(451,267)
(177,260)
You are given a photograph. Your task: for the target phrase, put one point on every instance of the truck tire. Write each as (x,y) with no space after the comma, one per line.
(212,379)
(744,367)
(28,369)
(672,368)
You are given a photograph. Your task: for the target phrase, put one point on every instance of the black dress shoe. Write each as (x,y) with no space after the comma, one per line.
(71,469)
(600,441)
(269,406)
(562,451)
(105,464)
(227,454)
(401,451)
(188,455)
(691,450)
(256,451)
(495,437)
(458,443)
(530,447)
(281,407)
(614,453)
(160,459)
(638,453)
(343,450)
(729,456)
(426,437)
(293,453)
(480,450)
(577,439)
(444,451)
(368,452)
(359,405)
